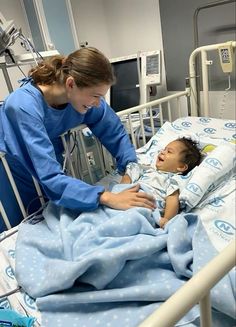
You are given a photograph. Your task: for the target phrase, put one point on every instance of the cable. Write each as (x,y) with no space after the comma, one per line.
(32,50)
(17,289)
(8,52)
(223,102)
(38,53)
(32,201)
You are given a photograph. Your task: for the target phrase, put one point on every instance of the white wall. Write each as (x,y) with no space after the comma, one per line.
(91,23)
(133,25)
(12,10)
(120,28)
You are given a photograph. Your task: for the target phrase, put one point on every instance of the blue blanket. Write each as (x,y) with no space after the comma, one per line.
(112,268)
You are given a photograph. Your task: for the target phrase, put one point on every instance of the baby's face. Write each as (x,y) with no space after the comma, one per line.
(169,159)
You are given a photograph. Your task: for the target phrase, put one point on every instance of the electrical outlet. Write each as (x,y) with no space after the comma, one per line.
(91,159)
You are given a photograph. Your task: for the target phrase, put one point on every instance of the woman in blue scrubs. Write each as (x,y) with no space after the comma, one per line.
(59,94)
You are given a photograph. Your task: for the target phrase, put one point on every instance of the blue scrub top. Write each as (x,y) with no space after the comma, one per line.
(30,135)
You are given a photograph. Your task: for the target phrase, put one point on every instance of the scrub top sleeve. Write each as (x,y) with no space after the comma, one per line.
(106,125)
(61,189)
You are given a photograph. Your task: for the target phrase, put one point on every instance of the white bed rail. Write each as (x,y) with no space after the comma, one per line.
(166,108)
(15,191)
(197,289)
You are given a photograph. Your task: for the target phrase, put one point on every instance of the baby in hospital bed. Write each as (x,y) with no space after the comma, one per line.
(167,176)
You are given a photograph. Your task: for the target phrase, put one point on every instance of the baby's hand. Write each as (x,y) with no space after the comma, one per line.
(163,221)
(125,179)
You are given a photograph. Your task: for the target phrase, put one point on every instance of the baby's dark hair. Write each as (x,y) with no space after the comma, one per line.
(191,155)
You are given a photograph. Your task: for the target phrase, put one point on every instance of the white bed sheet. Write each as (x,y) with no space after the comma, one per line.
(18,300)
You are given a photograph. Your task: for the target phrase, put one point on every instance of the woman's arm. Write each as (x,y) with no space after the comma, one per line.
(107,127)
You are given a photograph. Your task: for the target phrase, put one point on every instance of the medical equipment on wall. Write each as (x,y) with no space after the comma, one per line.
(8,36)
(8,33)
(135,74)
(150,75)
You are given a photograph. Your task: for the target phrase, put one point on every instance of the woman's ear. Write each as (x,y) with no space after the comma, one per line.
(70,83)
(183,167)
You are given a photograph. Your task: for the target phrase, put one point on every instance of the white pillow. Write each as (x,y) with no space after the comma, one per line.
(208,175)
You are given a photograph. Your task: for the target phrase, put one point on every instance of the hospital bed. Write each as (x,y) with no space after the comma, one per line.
(212,234)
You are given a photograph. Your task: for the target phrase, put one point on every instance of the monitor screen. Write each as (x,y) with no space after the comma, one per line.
(125,92)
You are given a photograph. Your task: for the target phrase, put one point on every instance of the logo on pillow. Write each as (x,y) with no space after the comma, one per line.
(177,127)
(205,120)
(210,130)
(29,301)
(230,125)
(5,304)
(11,254)
(194,188)
(160,131)
(217,202)
(186,124)
(9,272)
(213,162)
(224,226)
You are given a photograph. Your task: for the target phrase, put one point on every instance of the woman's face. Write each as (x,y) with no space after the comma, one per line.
(82,99)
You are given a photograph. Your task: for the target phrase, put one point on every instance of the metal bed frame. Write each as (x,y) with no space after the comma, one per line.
(197,289)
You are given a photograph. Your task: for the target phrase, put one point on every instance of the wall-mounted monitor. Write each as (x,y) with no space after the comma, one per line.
(134,73)
(125,93)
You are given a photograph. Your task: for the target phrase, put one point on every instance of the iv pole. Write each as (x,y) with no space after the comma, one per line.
(196,40)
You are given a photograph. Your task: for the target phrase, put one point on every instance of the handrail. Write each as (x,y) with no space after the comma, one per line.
(153,103)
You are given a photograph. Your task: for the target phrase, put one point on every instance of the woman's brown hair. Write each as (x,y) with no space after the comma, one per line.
(88,67)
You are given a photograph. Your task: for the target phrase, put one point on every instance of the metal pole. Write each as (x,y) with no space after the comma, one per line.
(196,40)
(6,76)
(205,83)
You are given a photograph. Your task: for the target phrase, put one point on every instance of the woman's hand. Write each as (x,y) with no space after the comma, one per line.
(128,199)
